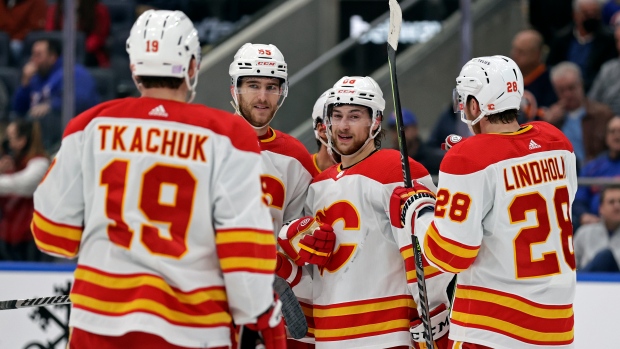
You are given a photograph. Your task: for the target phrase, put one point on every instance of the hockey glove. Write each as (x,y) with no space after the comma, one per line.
(451,141)
(440,324)
(317,248)
(287,269)
(292,232)
(270,326)
(407,201)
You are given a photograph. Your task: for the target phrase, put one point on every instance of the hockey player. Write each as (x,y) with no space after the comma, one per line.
(325,157)
(162,201)
(362,261)
(502,218)
(259,85)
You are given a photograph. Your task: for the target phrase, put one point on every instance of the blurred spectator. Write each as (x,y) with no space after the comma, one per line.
(447,123)
(610,12)
(594,242)
(21,169)
(585,207)
(527,52)
(544,23)
(583,121)
(586,43)
(4,101)
(40,93)
(606,86)
(416,149)
(94,20)
(20,17)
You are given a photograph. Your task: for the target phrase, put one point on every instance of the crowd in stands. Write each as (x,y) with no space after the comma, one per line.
(570,63)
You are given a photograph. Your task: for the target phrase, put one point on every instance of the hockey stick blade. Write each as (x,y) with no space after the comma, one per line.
(291,310)
(396,18)
(34,302)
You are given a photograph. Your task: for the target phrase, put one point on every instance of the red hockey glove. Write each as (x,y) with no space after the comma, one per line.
(287,269)
(292,232)
(270,326)
(317,248)
(451,141)
(440,324)
(407,201)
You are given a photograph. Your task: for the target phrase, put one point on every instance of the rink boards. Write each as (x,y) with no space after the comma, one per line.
(596,307)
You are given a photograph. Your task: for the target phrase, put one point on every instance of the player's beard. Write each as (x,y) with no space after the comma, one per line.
(255,117)
(350,147)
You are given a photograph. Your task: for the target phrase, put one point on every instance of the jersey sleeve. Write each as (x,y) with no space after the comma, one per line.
(244,234)
(58,218)
(436,281)
(451,240)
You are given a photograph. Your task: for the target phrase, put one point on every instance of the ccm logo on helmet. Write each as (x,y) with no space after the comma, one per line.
(347,81)
(346,91)
(266,63)
(491,106)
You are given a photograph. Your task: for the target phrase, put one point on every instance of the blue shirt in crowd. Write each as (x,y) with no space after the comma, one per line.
(587,197)
(49,89)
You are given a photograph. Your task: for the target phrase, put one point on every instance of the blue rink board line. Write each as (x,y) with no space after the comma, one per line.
(62,267)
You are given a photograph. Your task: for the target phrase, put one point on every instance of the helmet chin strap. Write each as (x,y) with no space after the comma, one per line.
(330,150)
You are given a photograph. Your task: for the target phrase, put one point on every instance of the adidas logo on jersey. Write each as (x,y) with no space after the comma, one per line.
(158,111)
(534,145)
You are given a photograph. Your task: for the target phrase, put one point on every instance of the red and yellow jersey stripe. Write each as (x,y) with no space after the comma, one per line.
(365,318)
(56,238)
(449,255)
(110,294)
(513,316)
(246,250)
(429,271)
(307,309)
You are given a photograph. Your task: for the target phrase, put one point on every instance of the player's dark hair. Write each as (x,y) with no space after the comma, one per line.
(504,117)
(160,82)
(604,191)
(381,134)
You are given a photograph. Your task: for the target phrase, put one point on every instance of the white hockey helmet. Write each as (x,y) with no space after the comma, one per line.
(358,90)
(258,60)
(317,114)
(496,82)
(162,43)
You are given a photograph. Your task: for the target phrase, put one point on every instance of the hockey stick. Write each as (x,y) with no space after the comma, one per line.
(396,18)
(34,302)
(291,310)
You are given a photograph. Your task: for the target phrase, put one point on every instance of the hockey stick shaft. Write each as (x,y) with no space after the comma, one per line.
(393,34)
(34,302)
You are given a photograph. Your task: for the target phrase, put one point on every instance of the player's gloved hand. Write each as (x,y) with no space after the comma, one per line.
(317,248)
(271,326)
(287,269)
(440,324)
(292,232)
(451,141)
(407,201)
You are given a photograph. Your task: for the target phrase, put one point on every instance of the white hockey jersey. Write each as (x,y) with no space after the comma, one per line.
(166,213)
(363,297)
(287,172)
(503,221)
